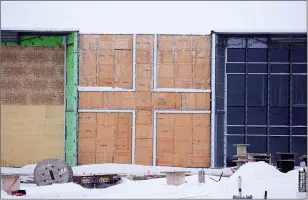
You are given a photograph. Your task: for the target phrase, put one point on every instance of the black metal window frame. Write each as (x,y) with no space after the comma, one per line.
(268,42)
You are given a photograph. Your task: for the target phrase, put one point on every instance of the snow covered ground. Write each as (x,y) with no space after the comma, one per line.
(256,179)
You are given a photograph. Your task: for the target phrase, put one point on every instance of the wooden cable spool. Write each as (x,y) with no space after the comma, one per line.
(52,171)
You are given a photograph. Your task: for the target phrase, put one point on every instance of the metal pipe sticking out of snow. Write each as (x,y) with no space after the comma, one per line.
(240,186)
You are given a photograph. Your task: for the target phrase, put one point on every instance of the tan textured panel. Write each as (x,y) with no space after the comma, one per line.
(30,134)
(86,158)
(197,101)
(112,142)
(144,71)
(182,160)
(165,132)
(167,100)
(92,100)
(32,75)
(144,100)
(201,133)
(144,84)
(183,133)
(144,156)
(104,158)
(144,131)
(200,160)
(183,147)
(143,117)
(165,146)
(190,57)
(144,42)
(165,159)
(165,42)
(165,119)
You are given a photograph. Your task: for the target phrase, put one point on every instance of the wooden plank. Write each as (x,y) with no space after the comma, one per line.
(87,62)
(105,132)
(144,42)
(165,146)
(144,57)
(165,132)
(200,160)
(86,131)
(183,57)
(183,120)
(165,159)
(123,157)
(167,100)
(92,100)
(144,143)
(104,158)
(87,118)
(202,42)
(166,83)
(86,158)
(196,101)
(86,145)
(166,70)
(124,42)
(184,70)
(143,156)
(106,42)
(144,84)
(166,57)
(144,130)
(182,160)
(143,117)
(183,147)
(105,119)
(105,146)
(128,100)
(144,100)
(144,71)
(201,133)
(201,146)
(183,133)
(88,42)
(165,42)
(88,81)
(165,119)
(201,120)
(183,42)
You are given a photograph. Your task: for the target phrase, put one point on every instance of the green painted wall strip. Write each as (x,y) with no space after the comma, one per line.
(37,41)
(71,110)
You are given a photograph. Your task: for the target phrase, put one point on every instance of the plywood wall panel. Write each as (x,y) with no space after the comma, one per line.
(112,140)
(143,156)
(86,158)
(193,51)
(182,62)
(86,131)
(183,135)
(109,64)
(165,159)
(182,160)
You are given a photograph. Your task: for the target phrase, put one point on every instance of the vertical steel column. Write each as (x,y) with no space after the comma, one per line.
(268,99)
(213,101)
(290,95)
(65,77)
(225,107)
(246,89)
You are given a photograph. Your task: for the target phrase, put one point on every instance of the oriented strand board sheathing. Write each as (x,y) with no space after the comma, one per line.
(32,75)
(106,60)
(183,62)
(105,138)
(184,136)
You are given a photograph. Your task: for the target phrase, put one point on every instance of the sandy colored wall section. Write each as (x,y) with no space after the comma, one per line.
(105,138)
(106,60)
(144,101)
(32,106)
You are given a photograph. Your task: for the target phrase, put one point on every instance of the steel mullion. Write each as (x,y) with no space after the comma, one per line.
(246,89)
(290,98)
(268,102)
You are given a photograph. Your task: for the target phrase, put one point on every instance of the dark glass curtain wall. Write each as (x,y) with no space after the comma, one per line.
(266,95)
